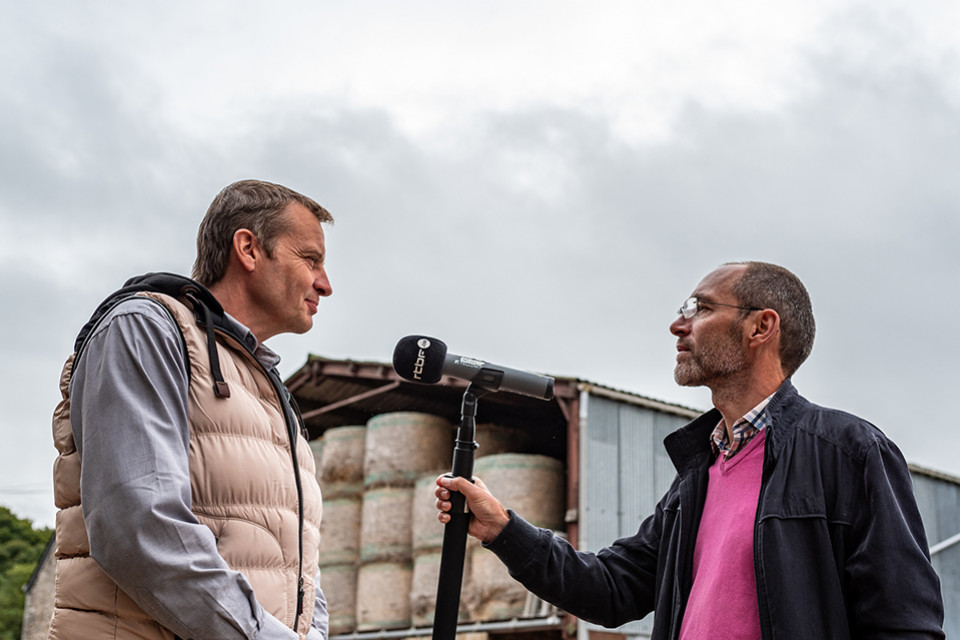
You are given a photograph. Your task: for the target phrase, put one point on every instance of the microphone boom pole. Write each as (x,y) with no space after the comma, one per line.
(455,532)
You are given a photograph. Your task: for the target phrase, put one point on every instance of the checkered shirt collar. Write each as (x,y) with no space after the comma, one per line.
(752,423)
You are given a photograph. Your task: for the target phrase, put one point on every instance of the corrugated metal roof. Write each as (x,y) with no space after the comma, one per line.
(931,473)
(638,400)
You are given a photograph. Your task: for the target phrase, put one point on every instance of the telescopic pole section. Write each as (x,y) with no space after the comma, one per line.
(455,532)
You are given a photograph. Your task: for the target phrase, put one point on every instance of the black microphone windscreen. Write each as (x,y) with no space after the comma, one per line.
(420,359)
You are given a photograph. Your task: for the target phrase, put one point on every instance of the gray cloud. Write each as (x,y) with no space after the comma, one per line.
(535,235)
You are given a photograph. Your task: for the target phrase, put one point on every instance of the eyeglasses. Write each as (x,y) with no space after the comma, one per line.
(691,306)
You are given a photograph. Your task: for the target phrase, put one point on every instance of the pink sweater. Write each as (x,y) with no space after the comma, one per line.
(723,601)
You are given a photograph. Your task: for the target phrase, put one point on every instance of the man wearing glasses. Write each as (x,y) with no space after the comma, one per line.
(785,519)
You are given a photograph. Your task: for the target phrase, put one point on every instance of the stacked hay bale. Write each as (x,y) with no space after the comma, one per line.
(380,551)
(428,532)
(340,474)
(400,448)
(494,438)
(427,542)
(533,486)
(316,448)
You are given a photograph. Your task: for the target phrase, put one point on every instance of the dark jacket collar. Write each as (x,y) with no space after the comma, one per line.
(690,444)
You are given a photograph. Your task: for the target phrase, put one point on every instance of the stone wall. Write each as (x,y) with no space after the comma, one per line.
(38,607)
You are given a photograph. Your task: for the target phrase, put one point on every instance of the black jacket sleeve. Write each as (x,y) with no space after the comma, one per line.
(609,588)
(894,590)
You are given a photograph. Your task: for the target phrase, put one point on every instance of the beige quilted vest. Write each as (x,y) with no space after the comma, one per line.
(243,489)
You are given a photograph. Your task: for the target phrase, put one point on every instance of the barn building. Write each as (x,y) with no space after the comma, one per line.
(589,464)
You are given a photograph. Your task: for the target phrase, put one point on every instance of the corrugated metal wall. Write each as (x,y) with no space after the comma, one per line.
(939,502)
(625,471)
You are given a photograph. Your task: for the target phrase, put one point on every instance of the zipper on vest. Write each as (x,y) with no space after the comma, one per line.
(300,595)
(291,417)
(295,410)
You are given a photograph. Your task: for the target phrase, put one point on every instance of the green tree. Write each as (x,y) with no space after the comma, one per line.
(21,546)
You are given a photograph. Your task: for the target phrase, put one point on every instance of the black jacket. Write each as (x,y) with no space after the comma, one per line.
(839,546)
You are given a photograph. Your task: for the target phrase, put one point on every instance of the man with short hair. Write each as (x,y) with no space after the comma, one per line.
(785,520)
(189,506)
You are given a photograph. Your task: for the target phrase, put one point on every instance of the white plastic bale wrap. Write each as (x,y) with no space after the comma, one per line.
(402,446)
(427,543)
(533,486)
(385,530)
(316,447)
(339,457)
(383,595)
(427,530)
(493,439)
(340,530)
(340,589)
(423,590)
(340,471)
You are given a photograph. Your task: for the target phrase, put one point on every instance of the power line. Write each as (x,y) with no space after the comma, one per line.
(26,490)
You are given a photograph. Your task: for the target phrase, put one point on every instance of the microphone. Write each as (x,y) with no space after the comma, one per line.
(423,359)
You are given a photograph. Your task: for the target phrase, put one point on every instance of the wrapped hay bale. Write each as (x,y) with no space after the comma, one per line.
(340,589)
(402,446)
(493,439)
(423,588)
(316,448)
(385,531)
(491,594)
(383,595)
(427,532)
(532,485)
(340,471)
(340,530)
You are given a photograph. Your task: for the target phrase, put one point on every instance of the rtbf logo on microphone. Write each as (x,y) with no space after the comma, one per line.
(423,343)
(425,360)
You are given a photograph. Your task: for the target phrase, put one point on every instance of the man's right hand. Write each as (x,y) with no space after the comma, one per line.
(489,516)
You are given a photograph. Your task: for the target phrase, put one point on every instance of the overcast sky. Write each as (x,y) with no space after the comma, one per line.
(539,184)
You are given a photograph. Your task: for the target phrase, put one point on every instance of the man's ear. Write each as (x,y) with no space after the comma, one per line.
(246,249)
(765,327)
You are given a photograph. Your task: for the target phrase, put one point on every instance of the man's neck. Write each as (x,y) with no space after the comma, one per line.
(735,398)
(234,302)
